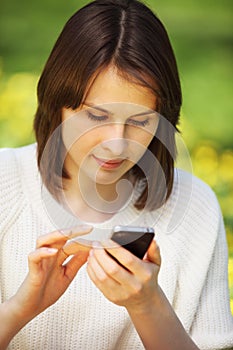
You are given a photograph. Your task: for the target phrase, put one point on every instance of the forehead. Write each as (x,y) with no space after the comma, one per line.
(109,87)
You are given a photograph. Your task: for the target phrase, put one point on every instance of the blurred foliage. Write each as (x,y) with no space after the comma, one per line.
(215,167)
(17,106)
(202,37)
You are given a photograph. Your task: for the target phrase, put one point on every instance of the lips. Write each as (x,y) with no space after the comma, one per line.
(109,163)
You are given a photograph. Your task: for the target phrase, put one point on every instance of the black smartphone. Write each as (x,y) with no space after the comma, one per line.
(136,239)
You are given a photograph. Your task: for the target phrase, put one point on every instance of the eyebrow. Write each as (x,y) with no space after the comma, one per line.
(108,112)
(97,107)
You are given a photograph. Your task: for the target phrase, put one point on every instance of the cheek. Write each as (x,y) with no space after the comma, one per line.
(75,128)
(84,145)
(140,145)
(140,141)
(146,139)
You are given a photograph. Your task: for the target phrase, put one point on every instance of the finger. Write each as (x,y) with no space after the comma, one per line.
(79,230)
(112,267)
(153,253)
(36,257)
(113,290)
(91,274)
(126,258)
(98,275)
(75,263)
(74,247)
(58,238)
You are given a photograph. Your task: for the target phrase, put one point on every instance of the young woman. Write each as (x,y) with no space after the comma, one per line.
(109,99)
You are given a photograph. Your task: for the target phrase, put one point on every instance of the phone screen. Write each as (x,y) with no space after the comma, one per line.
(134,239)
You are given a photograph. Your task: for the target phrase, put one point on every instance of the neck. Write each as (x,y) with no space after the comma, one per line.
(95,202)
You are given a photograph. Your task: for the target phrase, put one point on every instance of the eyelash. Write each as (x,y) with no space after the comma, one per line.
(138,123)
(100,118)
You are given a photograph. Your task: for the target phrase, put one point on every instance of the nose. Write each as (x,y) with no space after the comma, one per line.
(114,141)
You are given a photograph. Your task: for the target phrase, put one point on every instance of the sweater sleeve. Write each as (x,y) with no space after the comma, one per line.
(213,323)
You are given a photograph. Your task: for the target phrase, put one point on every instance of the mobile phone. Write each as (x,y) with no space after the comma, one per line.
(136,239)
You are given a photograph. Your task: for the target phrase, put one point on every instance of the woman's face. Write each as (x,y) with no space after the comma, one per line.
(110,132)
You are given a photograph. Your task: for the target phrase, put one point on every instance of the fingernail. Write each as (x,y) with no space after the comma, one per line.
(66,231)
(91,252)
(96,244)
(52,250)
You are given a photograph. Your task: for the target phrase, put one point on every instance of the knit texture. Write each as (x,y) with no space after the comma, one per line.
(189,230)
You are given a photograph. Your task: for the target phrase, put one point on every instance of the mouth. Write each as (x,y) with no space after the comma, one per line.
(109,163)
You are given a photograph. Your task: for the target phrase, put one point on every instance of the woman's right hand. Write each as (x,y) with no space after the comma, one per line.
(48,278)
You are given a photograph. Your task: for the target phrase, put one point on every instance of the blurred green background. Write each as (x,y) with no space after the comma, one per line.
(202,37)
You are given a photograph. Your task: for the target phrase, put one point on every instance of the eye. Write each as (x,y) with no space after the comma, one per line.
(98,118)
(138,122)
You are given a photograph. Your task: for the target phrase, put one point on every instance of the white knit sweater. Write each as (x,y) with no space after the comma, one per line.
(190,233)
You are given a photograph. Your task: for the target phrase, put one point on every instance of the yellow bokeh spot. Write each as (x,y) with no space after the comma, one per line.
(230,269)
(226,166)
(230,275)
(205,164)
(17,108)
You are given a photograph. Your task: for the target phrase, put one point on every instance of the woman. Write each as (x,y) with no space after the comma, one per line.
(108,106)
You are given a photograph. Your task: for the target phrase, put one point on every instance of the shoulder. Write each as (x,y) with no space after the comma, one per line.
(11,160)
(191,221)
(194,194)
(192,210)
(11,174)
(195,219)
(8,156)
(9,171)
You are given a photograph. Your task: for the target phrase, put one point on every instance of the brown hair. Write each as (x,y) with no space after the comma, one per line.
(127,34)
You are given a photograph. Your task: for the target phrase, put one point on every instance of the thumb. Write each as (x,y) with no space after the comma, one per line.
(153,253)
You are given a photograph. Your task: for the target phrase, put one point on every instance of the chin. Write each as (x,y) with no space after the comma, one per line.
(106,180)
(103,177)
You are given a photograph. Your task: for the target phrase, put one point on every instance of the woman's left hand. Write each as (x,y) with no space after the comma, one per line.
(134,287)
